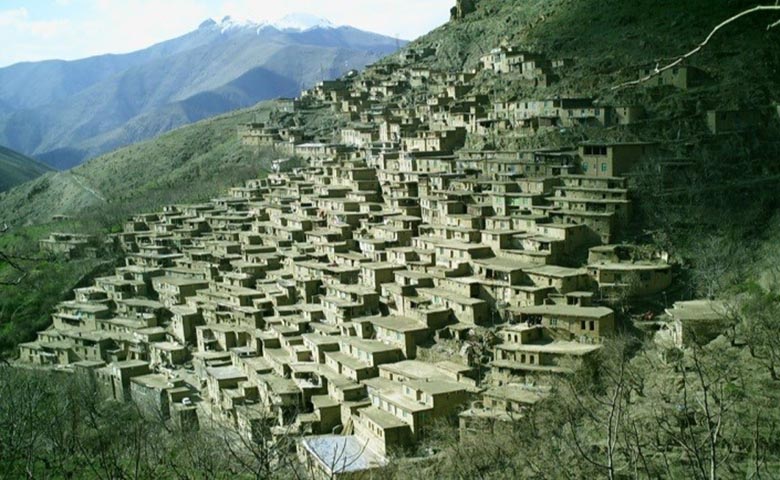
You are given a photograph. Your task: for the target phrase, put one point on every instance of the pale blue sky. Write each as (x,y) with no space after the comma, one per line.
(32,30)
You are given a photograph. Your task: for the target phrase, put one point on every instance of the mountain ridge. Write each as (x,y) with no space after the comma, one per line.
(298,22)
(67,113)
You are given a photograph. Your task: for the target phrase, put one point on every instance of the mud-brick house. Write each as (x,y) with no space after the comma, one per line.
(613,159)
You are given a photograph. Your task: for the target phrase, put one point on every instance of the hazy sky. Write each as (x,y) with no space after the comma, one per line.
(67,29)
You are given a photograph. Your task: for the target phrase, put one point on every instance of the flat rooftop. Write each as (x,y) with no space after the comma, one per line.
(701,310)
(567,311)
(226,373)
(554,348)
(340,454)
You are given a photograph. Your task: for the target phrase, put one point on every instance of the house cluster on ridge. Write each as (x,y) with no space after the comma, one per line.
(310,303)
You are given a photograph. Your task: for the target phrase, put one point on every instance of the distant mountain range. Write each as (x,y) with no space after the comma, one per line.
(64,112)
(16,168)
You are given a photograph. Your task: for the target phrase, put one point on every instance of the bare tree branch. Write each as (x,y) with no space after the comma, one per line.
(677,61)
(14,261)
(6,258)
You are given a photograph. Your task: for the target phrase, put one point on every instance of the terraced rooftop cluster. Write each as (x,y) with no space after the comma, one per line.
(372,285)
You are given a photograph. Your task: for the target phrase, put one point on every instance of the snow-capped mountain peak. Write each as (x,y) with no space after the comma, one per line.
(295,22)
(229,23)
(301,22)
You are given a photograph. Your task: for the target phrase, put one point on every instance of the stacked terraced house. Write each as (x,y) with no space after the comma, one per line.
(389,277)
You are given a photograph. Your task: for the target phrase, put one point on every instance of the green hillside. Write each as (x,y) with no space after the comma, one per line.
(188,163)
(731,186)
(16,168)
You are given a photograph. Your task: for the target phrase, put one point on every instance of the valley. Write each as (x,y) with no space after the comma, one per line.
(80,109)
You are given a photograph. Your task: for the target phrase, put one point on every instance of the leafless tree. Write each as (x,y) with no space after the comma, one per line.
(20,404)
(760,327)
(600,408)
(256,451)
(14,262)
(695,410)
(675,62)
(624,292)
(719,263)
(340,460)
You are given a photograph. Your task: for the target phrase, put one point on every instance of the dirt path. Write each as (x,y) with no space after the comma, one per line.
(81,184)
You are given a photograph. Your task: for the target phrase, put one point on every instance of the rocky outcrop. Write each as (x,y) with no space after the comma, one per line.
(462,8)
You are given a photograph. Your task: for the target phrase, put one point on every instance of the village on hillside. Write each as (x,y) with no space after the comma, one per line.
(383,276)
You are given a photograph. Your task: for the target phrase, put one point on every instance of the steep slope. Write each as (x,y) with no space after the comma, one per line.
(637,404)
(16,168)
(188,163)
(609,41)
(56,80)
(91,106)
(731,180)
(630,36)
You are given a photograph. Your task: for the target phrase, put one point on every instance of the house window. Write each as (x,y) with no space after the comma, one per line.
(582,324)
(603,167)
(596,150)
(592,325)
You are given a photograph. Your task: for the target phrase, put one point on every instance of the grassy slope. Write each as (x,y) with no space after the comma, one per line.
(189,164)
(16,168)
(185,164)
(25,309)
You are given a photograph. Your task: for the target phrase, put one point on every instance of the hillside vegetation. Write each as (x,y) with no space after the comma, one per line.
(610,40)
(729,190)
(16,168)
(186,164)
